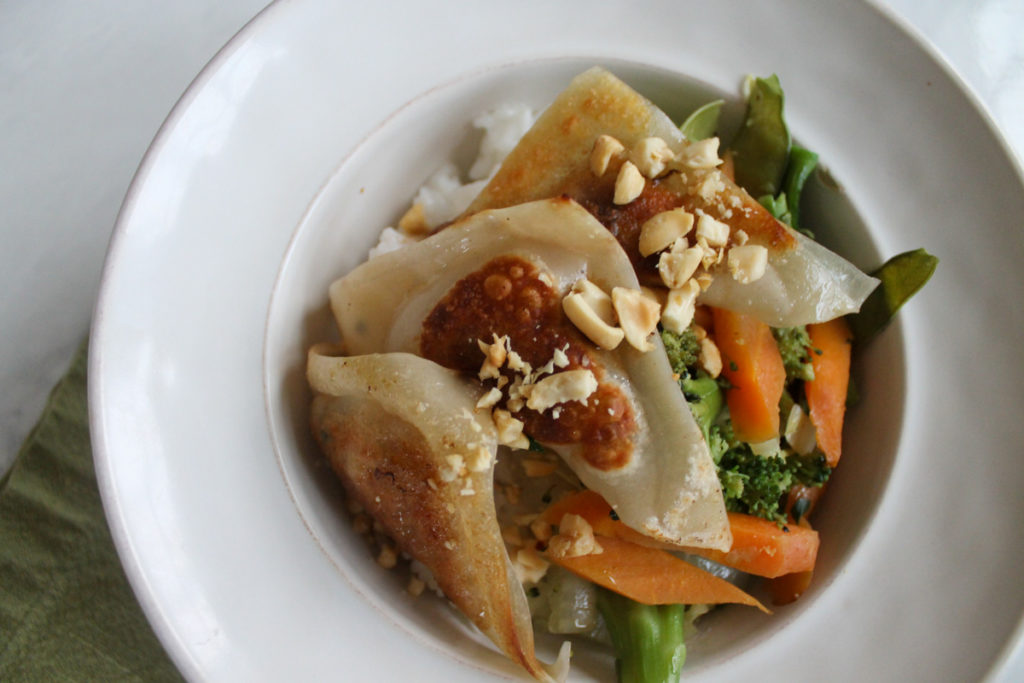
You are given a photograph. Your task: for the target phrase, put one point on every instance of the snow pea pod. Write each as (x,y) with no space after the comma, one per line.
(761,148)
(901,277)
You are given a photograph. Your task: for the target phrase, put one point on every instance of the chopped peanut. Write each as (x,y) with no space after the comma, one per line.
(680,307)
(651,156)
(575,538)
(529,565)
(415,586)
(710,358)
(748,263)
(387,558)
(510,430)
(596,298)
(569,385)
(590,323)
(663,229)
(605,147)
(629,184)
(638,316)
(678,265)
(700,154)
(479,459)
(490,399)
(715,232)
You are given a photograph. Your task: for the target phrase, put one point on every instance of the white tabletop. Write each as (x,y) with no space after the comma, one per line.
(85,86)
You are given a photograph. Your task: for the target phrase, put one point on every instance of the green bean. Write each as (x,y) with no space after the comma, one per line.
(802,163)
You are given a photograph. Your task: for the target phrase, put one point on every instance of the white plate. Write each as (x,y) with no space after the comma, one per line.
(310,130)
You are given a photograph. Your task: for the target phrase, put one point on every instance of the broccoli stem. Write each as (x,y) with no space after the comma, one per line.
(648,639)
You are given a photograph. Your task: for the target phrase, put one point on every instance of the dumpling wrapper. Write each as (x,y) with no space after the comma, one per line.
(389,425)
(668,489)
(804,282)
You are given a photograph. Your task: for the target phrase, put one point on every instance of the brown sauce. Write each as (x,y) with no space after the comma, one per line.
(663,194)
(509,296)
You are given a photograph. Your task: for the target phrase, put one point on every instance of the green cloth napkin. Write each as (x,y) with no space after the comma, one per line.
(67,612)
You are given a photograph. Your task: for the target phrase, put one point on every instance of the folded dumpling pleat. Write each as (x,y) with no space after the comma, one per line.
(502,274)
(804,282)
(402,434)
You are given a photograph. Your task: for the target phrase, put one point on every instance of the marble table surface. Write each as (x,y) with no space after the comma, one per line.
(85,86)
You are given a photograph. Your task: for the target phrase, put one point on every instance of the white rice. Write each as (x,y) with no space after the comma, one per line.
(444,195)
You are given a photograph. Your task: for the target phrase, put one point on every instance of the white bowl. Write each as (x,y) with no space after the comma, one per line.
(305,136)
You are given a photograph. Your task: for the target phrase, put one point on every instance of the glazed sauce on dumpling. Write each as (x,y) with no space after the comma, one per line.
(511,296)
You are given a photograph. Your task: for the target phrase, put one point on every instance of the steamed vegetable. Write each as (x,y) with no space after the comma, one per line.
(703,122)
(802,163)
(683,351)
(826,394)
(703,393)
(759,547)
(902,276)
(788,587)
(757,484)
(795,348)
(761,148)
(752,364)
(648,639)
(651,576)
(764,548)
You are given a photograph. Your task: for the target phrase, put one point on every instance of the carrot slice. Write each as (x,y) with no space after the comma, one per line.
(788,587)
(831,343)
(763,548)
(759,547)
(591,506)
(753,365)
(651,576)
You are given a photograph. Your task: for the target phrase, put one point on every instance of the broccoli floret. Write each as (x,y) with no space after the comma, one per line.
(720,440)
(757,485)
(810,470)
(683,351)
(795,347)
(752,484)
(703,393)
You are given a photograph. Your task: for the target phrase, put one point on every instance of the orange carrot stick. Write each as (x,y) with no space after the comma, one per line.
(651,576)
(763,548)
(753,365)
(592,507)
(831,343)
(759,547)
